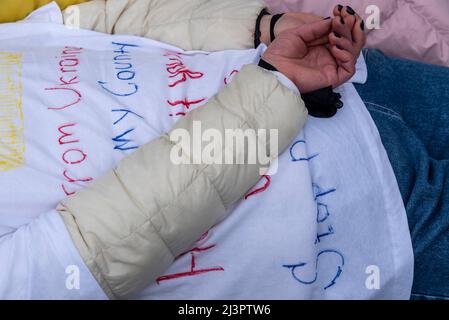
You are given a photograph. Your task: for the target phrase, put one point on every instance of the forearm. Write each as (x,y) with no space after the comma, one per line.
(131,224)
(212,25)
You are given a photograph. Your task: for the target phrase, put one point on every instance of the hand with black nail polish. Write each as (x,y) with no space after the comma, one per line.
(298,54)
(349,17)
(319,54)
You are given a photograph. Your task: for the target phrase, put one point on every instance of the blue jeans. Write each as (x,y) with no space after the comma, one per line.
(409,102)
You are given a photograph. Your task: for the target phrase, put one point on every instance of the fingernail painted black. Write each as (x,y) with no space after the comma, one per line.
(362,25)
(337,34)
(340,7)
(350,10)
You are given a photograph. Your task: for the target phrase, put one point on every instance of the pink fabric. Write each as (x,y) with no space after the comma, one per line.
(412,29)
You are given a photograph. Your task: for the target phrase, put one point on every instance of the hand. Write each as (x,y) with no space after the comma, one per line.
(288,21)
(355,23)
(292,20)
(296,54)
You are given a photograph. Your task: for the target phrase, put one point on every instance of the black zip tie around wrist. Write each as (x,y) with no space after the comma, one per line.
(266,65)
(273,22)
(257,32)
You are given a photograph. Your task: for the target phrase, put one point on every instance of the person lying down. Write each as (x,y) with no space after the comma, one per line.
(94,205)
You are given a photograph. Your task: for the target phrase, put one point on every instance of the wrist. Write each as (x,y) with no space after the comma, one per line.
(277,64)
(267,66)
(265,29)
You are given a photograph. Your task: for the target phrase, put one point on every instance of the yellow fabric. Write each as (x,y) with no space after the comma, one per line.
(14,10)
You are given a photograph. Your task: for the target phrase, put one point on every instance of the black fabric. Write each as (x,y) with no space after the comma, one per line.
(322,103)
(266,65)
(257,32)
(273,22)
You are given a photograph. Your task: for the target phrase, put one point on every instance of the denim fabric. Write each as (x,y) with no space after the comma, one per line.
(409,102)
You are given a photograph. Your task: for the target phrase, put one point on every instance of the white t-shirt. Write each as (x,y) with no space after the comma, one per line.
(330,224)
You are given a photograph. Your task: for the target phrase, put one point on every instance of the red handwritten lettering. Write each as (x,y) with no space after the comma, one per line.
(66,87)
(72,180)
(179,70)
(77,100)
(186,103)
(190,273)
(66,134)
(74,151)
(67,193)
(193,271)
(73,80)
(261,189)
(226,79)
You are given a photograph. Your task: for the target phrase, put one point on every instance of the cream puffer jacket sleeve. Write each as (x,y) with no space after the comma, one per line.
(209,25)
(131,224)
